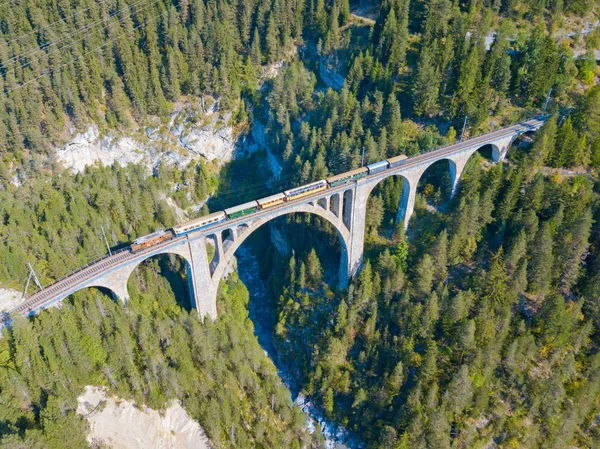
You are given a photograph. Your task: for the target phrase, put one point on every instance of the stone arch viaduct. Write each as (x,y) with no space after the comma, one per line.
(345,207)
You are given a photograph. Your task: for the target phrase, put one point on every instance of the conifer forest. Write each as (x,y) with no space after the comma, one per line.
(477,326)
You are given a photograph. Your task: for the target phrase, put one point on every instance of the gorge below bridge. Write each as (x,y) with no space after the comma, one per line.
(344,206)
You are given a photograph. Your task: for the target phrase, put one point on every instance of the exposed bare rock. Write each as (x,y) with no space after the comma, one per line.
(9,298)
(190,135)
(329,75)
(123,425)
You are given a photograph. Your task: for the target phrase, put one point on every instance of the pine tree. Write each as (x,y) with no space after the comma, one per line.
(541,261)
(424,275)
(495,289)
(344,12)
(575,254)
(544,141)
(314,269)
(595,154)
(566,141)
(440,257)
(255,51)
(272,40)
(425,85)
(393,122)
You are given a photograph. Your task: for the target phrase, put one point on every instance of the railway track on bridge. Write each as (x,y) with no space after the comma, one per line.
(69,284)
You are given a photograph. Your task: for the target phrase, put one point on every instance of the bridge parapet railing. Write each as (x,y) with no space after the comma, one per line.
(106,256)
(472,136)
(435,148)
(78,270)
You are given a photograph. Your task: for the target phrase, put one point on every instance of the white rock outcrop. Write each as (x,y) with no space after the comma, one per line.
(123,425)
(187,137)
(89,147)
(207,141)
(9,298)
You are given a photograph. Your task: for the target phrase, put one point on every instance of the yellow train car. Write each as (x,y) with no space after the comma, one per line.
(308,189)
(271,201)
(397,160)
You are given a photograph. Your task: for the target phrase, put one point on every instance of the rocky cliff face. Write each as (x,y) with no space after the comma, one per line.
(124,425)
(187,137)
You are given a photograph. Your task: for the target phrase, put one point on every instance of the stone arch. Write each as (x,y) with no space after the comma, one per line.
(182,252)
(407,200)
(117,278)
(112,291)
(316,209)
(495,152)
(241,229)
(59,298)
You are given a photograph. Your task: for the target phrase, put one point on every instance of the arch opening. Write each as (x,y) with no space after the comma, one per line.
(322,202)
(212,251)
(490,152)
(241,230)
(163,278)
(435,186)
(288,236)
(275,256)
(105,292)
(387,207)
(523,141)
(227,238)
(347,208)
(335,204)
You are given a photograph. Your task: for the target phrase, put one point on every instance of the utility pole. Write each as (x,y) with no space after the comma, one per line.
(362,161)
(35,278)
(106,241)
(547,100)
(462,134)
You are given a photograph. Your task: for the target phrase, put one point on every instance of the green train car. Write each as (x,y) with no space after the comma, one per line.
(343,178)
(241,210)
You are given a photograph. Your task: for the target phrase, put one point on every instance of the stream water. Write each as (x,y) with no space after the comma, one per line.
(336,437)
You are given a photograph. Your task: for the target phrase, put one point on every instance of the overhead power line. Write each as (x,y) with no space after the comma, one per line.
(6,3)
(74,43)
(45,27)
(108,42)
(29,53)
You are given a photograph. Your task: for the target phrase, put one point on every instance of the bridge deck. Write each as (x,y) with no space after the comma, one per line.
(82,277)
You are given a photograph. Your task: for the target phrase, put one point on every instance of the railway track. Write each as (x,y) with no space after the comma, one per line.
(70,283)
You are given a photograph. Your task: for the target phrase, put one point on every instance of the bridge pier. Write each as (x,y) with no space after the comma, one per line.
(202,287)
(407,204)
(345,208)
(116,283)
(457,167)
(358,215)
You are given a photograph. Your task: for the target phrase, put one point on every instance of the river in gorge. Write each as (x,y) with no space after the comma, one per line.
(336,437)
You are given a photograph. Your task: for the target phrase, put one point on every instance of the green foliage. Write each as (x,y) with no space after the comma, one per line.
(61,65)
(152,352)
(489,314)
(478,332)
(56,223)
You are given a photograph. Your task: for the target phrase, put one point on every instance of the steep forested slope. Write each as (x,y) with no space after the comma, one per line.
(484,326)
(113,61)
(152,352)
(66,63)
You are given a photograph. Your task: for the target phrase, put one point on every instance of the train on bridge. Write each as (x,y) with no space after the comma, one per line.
(251,207)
